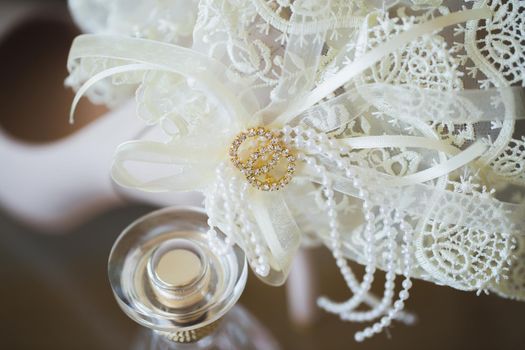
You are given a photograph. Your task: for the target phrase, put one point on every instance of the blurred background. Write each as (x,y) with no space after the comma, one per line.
(54,291)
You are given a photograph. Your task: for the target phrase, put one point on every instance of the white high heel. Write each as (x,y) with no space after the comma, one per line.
(59,183)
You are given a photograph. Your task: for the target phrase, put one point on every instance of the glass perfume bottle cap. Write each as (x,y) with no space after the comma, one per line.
(165,276)
(166,269)
(179,273)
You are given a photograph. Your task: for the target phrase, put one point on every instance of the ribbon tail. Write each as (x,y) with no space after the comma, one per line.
(174,171)
(280,233)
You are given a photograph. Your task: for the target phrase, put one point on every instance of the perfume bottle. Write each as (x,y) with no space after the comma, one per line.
(165,277)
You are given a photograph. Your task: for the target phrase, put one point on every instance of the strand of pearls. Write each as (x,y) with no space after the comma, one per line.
(319,143)
(406,284)
(218,194)
(259,256)
(390,276)
(233,196)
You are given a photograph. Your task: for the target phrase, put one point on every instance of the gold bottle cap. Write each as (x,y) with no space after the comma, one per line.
(178,268)
(179,274)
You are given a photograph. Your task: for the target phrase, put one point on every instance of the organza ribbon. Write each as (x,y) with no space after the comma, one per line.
(279,231)
(157,56)
(366,61)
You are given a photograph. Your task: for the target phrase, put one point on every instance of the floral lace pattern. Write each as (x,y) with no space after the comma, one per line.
(461,257)
(426,62)
(513,285)
(499,53)
(510,163)
(493,53)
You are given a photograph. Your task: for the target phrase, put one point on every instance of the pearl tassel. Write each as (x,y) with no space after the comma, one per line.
(390,277)
(359,290)
(406,285)
(313,143)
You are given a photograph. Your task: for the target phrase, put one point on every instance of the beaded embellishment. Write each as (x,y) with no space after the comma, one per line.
(263,158)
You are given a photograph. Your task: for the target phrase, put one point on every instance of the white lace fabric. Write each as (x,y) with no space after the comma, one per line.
(404,133)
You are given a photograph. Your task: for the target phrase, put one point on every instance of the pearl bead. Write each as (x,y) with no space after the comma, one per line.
(399,304)
(376,328)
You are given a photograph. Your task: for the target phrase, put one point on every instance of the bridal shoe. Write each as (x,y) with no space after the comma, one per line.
(52,174)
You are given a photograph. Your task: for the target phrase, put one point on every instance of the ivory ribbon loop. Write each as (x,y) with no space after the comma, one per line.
(101,76)
(150,54)
(465,106)
(459,160)
(412,103)
(183,173)
(401,141)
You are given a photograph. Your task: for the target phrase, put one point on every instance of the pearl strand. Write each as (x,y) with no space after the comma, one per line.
(378,307)
(360,290)
(406,285)
(390,276)
(218,246)
(234,199)
(259,259)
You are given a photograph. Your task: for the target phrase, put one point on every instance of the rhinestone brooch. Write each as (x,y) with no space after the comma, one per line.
(263,158)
